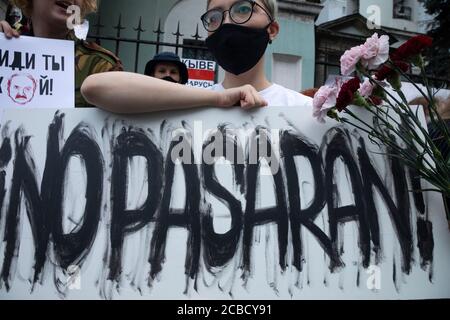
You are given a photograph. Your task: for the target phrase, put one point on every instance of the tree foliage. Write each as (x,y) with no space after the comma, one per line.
(439,26)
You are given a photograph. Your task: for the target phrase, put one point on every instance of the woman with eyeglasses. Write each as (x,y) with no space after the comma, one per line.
(239,32)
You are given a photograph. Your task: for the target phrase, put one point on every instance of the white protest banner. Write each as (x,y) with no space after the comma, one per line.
(201,72)
(36,72)
(174,206)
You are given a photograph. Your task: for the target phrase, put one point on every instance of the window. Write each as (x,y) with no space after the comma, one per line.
(401,11)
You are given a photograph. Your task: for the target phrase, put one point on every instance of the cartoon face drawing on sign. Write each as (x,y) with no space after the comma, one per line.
(21,88)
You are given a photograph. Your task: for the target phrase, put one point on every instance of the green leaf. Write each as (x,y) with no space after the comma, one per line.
(333,114)
(395,81)
(378,91)
(360,101)
(418,61)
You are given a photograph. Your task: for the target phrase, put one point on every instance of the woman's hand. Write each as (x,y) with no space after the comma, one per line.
(8,30)
(245,96)
(125,92)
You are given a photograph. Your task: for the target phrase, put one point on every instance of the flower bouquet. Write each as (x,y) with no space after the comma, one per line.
(376,86)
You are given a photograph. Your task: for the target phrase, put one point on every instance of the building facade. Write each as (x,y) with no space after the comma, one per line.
(408,15)
(343,24)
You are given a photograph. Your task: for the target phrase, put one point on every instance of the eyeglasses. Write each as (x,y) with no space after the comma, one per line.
(240,12)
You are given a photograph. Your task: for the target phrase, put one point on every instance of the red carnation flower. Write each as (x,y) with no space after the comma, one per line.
(412,47)
(387,72)
(347,93)
(376,100)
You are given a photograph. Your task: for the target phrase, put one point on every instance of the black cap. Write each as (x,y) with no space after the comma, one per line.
(167,57)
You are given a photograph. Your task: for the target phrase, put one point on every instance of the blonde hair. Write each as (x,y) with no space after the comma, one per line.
(26,6)
(270,5)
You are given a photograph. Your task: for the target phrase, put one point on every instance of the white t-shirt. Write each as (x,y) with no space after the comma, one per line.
(278,96)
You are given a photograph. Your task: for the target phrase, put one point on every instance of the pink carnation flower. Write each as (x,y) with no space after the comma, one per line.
(324,100)
(375,51)
(349,60)
(366,89)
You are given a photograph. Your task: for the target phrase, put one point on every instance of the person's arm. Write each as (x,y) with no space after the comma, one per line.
(124,92)
(8,30)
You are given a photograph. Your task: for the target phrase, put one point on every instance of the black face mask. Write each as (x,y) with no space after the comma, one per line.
(236,48)
(170,79)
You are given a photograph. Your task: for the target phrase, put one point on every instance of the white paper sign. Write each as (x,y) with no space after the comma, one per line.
(36,73)
(95,205)
(201,72)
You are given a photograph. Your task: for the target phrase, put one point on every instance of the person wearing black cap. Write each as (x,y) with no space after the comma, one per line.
(167,66)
